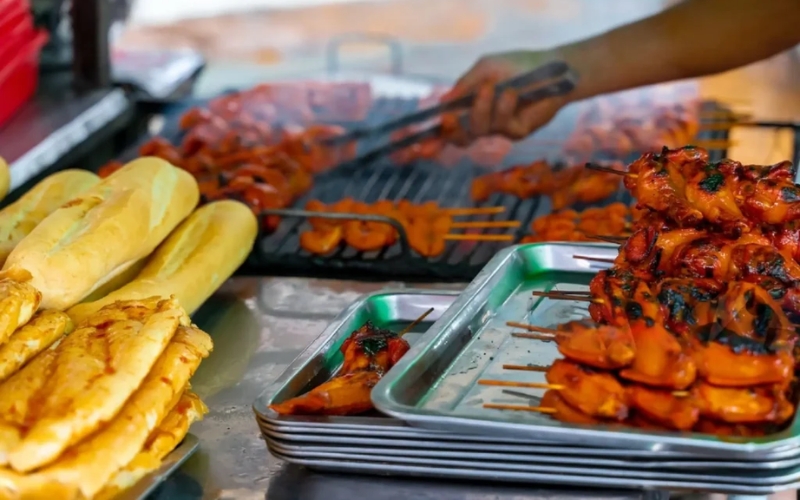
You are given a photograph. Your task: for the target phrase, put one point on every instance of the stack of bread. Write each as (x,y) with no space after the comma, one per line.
(96,345)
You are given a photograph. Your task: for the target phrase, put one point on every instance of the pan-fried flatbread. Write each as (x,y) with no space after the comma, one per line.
(18,395)
(91,463)
(41,331)
(169,433)
(15,486)
(18,302)
(96,369)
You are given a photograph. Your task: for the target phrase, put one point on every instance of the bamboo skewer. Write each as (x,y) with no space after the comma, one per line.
(473,211)
(489,224)
(526,368)
(562,296)
(534,336)
(608,239)
(551,387)
(415,322)
(479,237)
(525,385)
(532,328)
(594,259)
(609,170)
(536,409)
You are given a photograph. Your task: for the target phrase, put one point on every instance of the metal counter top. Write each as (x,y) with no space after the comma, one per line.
(259,326)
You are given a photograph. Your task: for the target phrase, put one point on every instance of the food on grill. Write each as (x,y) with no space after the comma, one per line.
(194,260)
(692,319)
(369,352)
(426,225)
(621,130)
(103,231)
(568,225)
(565,187)
(18,219)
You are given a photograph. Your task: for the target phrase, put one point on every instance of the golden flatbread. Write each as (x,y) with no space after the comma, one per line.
(18,395)
(96,369)
(18,302)
(41,331)
(169,433)
(89,465)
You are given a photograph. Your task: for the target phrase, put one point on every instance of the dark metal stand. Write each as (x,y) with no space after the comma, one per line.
(91,60)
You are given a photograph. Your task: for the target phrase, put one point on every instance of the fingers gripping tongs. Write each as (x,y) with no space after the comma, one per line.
(552,79)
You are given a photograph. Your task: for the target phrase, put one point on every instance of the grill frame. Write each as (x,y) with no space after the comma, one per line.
(279,253)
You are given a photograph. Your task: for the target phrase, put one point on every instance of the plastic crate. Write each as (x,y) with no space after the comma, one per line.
(19,73)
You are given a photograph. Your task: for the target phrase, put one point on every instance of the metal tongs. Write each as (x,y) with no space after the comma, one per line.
(550,80)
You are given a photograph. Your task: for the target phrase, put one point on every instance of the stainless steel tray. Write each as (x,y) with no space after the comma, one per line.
(556,478)
(759,478)
(644,460)
(504,446)
(320,360)
(170,464)
(434,385)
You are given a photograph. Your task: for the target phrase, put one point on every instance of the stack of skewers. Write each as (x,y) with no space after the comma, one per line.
(693,322)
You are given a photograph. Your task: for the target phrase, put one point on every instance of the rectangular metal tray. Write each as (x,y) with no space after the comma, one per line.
(603,458)
(170,464)
(320,360)
(435,385)
(757,478)
(554,478)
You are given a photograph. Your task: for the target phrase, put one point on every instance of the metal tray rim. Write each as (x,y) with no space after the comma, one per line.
(470,299)
(352,466)
(533,457)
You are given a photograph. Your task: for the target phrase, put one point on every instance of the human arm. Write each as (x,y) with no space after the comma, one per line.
(691,39)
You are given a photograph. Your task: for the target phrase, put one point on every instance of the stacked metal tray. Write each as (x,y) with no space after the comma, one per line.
(440,429)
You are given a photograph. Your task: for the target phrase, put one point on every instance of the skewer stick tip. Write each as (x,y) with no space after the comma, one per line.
(535,409)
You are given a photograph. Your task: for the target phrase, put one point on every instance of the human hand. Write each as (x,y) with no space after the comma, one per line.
(506,115)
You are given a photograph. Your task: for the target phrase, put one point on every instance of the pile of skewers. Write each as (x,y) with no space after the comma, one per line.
(565,187)
(692,322)
(427,226)
(612,221)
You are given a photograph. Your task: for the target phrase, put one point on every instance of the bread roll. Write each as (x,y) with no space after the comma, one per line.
(117,282)
(101,233)
(192,262)
(19,218)
(5,178)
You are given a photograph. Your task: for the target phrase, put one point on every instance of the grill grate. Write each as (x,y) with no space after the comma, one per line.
(279,253)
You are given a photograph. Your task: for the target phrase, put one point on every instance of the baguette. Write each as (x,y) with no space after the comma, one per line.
(192,262)
(5,178)
(93,238)
(18,219)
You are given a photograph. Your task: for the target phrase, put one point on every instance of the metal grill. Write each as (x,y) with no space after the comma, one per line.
(279,253)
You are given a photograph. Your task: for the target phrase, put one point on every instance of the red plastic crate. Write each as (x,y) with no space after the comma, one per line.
(13,12)
(19,75)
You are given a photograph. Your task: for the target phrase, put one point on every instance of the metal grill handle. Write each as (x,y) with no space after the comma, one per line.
(333,50)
